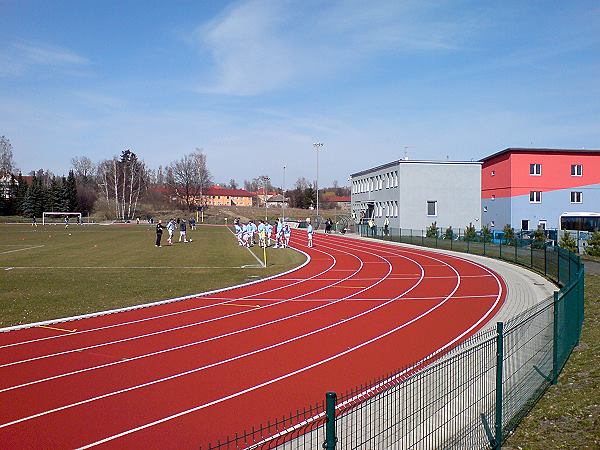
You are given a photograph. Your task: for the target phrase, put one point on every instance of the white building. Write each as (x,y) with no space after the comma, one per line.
(414,194)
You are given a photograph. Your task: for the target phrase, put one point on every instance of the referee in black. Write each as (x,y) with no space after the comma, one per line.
(159,231)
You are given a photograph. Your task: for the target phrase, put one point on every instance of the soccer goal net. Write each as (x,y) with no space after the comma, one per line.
(61,217)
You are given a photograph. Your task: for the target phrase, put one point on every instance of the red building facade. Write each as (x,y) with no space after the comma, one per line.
(531,187)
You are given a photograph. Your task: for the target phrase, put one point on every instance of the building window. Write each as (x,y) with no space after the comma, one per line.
(535,169)
(493,172)
(432,208)
(576,197)
(493,197)
(576,170)
(492,224)
(525,225)
(542,225)
(485,209)
(535,197)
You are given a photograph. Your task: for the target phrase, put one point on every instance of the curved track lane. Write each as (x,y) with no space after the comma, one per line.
(185,373)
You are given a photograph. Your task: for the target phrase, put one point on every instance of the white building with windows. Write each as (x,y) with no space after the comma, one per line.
(414,194)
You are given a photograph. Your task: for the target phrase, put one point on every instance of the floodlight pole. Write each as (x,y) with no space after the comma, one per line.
(318,146)
(283,191)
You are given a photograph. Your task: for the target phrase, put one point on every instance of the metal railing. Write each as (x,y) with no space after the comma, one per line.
(470,396)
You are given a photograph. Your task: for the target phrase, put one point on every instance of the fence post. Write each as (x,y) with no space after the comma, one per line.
(483,245)
(555,340)
(451,238)
(516,255)
(545,260)
(558,264)
(531,253)
(330,437)
(499,376)
(422,239)
(500,248)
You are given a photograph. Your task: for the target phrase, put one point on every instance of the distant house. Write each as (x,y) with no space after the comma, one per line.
(342,201)
(212,196)
(277,201)
(219,196)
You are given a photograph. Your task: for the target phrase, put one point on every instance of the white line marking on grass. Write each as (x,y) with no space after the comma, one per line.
(262,264)
(21,249)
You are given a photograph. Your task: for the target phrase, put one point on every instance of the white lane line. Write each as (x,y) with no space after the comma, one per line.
(274,380)
(329,303)
(201,296)
(208,366)
(21,249)
(168,330)
(392,277)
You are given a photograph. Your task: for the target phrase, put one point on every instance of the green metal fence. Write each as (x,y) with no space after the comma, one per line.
(470,396)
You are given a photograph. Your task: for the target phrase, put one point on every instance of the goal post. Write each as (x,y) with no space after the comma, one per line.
(60,215)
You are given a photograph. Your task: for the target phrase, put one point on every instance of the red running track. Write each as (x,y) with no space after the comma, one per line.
(186,373)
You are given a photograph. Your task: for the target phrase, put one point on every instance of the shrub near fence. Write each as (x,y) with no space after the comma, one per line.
(470,396)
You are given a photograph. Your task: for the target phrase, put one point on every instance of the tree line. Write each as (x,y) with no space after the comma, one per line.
(118,186)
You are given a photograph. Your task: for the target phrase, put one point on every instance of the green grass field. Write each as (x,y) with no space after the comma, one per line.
(568,415)
(51,272)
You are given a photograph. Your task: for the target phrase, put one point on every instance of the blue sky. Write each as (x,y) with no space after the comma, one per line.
(255,83)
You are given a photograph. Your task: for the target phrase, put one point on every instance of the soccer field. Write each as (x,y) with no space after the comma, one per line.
(51,272)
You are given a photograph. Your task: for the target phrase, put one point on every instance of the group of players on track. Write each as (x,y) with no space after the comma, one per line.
(279,232)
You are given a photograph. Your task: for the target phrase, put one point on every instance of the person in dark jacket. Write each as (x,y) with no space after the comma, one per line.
(159,231)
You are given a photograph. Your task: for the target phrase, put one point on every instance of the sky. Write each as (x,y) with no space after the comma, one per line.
(254,83)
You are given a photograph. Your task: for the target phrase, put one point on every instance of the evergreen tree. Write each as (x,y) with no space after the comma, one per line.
(449,233)
(431,231)
(470,233)
(34,202)
(567,242)
(509,234)
(53,196)
(20,190)
(593,245)
(71,192)
(539,238)
(486,234)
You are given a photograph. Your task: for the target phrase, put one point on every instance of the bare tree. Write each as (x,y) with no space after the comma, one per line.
(233,184)
(189,177)
(301,183)
(7,164)
(122,181)
(84,168)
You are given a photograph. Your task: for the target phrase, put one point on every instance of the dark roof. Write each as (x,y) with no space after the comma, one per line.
(540,150)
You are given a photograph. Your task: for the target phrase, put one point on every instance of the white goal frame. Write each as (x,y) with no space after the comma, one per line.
(44,214)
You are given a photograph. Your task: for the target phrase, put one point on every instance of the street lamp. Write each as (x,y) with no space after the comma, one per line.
(318,146)
(283,191)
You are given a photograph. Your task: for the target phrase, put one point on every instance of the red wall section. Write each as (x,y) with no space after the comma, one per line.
(556,173)
(500,183)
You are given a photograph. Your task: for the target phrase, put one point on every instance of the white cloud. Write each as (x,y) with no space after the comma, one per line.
(259,46)
(18,57)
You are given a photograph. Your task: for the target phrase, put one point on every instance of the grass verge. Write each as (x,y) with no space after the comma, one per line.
(52,272)
(568,415)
